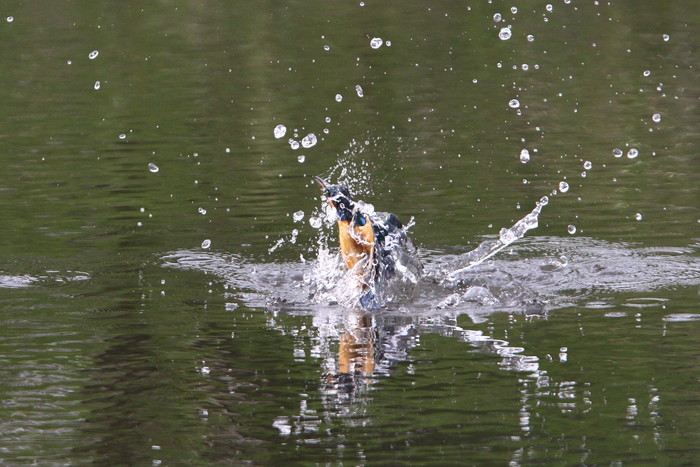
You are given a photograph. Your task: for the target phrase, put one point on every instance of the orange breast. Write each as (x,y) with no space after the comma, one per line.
(356,245)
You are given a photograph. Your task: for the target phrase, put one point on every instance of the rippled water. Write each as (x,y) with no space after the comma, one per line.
(163,237)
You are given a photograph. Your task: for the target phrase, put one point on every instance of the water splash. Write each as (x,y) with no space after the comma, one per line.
(506,237)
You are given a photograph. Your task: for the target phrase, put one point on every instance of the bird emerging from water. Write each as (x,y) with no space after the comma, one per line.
(374,246)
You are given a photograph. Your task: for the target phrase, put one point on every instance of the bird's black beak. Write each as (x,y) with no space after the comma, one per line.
(322,182)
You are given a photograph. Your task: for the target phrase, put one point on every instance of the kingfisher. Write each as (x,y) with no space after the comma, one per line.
(371,246)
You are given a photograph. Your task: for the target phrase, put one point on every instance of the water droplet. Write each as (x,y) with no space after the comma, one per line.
(328,119)
(524,156)
(122,136)
(202,211)
(544,201)
(656,118)
(93,55)
(571,229)
(301,159)
(97,85)
(388,43)
(646,73)
(617,152)
(298,216)
(632,153)
(514,9)
(376,42)
(549,7)
(514,103)
(339,98)
(152,167)
(205,370)
(563,187)
(497,18)
(309,140)
(206,243)
(294,144)
(588,165)
(504,34)
(315,222)
(280,131)
(530,38)
(638,217)
(326,48)
(360,92)
(666,37)
(10,19)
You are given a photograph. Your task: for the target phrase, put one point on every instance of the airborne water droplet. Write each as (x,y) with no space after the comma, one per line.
(360,92)
(656,118)
(97,85)
(298,216)
(93,55)
(563,187)
(514,103)
(301,159)
(638,217)
(504,34)
(202,211)
(524,156)
(632,153)
(617,152)
(315,222)
(280,131)
(309,140)
(588,165)
(339,98)
(376,42)
(206,243)
(152,167)
(571,229)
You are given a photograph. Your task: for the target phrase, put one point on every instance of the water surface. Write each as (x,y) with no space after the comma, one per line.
(124,341)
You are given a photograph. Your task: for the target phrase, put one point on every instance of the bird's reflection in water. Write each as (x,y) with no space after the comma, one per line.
(356,354)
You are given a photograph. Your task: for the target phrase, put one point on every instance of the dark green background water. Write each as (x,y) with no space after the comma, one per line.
(111,353)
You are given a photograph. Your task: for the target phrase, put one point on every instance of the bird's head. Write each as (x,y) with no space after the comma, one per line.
(339,197)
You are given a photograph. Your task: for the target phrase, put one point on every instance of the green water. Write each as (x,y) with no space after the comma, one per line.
(124,342)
